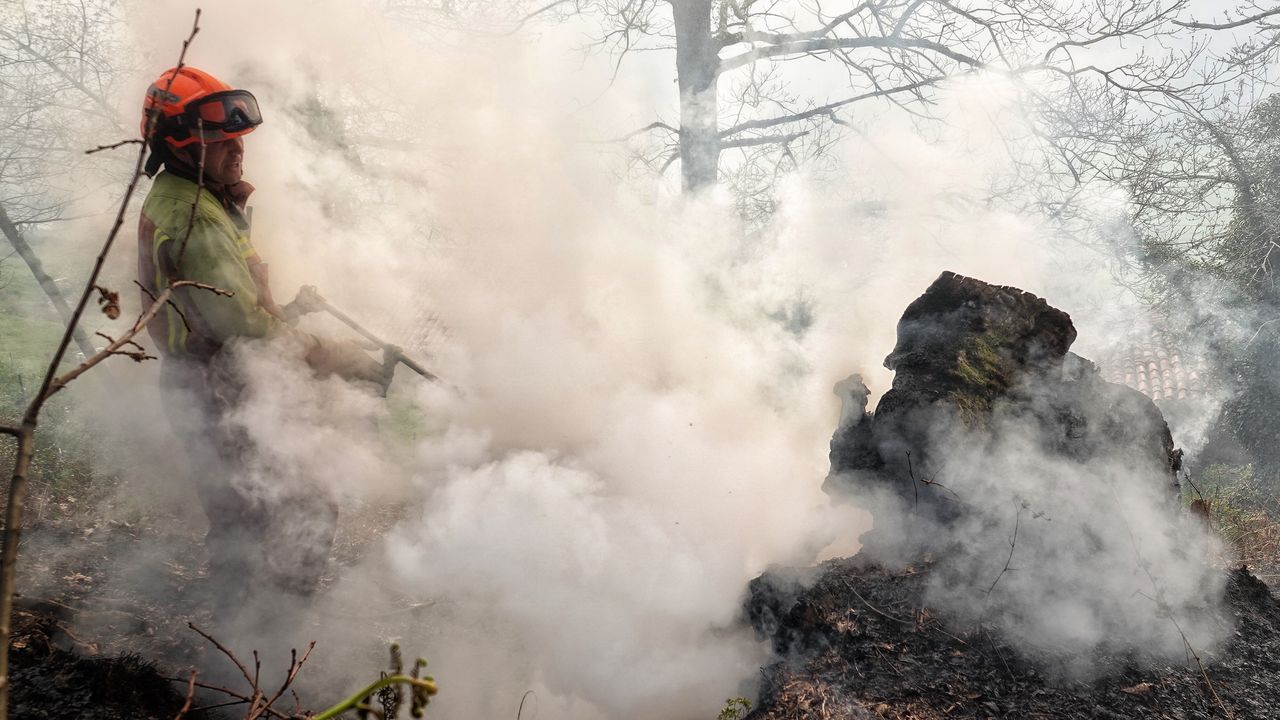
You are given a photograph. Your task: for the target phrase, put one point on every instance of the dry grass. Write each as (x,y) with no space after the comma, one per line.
(1245,513)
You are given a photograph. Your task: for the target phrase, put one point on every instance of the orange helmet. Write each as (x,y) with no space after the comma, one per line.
(191,105)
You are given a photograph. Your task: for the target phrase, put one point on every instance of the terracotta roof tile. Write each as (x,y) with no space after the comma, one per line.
(1155,367)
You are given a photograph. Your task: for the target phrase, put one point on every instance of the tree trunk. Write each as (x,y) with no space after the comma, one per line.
(46,283)
(697,61)
(25,436)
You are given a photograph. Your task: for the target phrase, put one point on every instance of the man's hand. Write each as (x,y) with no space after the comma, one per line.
(307,301)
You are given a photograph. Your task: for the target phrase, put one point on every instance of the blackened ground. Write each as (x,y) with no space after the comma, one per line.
(100,621)
(52,683)
(858,643)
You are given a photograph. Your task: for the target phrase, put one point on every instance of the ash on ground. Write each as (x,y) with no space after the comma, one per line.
(859,643)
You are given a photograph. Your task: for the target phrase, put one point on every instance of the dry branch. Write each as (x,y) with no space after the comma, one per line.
(803,47)
(191,694)
(113,146)
(1013,544)
(259,704)
(1229,25)
(127,339)
(763,140)
(239,698)
(229,655)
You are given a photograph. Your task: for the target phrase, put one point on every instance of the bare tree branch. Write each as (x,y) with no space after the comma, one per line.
(222,648)
(801,47)
(191,694)
(656,125)
(763,140)
(728,39)
(1229,25)
(97,99)
(113,146)
(536,13)
(826,109)
(114,348)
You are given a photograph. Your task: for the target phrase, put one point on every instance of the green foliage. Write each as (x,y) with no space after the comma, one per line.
(27,343)
(1242,509)
(1250,414)
(1229,491)
(62,465)
(735,709)
(404,421)
(388,692)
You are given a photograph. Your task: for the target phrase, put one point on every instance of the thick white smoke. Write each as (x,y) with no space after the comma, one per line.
(636,433)
(1081,565)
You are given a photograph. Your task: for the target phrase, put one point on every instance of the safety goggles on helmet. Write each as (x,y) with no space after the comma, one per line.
(221,115)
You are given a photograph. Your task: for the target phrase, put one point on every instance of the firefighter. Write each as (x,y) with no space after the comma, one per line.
(195,125)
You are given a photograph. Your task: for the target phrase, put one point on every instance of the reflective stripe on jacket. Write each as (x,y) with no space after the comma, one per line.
(216,252)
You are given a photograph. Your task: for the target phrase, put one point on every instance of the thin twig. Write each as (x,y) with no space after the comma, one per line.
(1164,607)
(243,699)
(195,204)
(114,145)
(875,609)
(520,710)
(525,20)
(126,339)
(295,666)
(926,481)
(191,694)
(1187,477)
(1013,543)
(995,649)
(655,125)
(1260,329)
(230,655)
(217,706)
(1230,24)
(181,315)
(915,491)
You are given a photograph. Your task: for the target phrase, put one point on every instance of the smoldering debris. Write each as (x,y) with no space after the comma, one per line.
(1028,553)
(1048,495)
(859,643)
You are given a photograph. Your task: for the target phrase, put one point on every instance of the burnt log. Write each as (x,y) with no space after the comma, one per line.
(972,358)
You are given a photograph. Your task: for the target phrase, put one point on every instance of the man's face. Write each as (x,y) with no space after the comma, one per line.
(222,160)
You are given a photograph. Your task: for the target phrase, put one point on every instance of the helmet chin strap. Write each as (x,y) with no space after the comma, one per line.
(158,155)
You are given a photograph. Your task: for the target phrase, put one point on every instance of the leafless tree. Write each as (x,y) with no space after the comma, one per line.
(894,52)
(1191,144)
(57,63)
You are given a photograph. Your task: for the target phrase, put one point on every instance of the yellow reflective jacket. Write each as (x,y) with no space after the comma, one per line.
(216,252)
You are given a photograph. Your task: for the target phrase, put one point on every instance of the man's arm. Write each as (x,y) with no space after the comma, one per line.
(216,258)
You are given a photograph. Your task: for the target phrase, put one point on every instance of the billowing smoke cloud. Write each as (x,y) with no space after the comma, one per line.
(639,429)
(1082,566)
